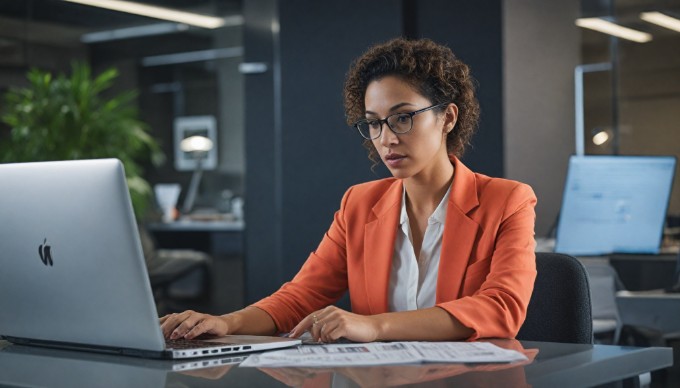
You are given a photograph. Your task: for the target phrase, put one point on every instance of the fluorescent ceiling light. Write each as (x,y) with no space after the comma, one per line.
(192,19)
(193,56)
(133,32)
(661,20)
(610,28)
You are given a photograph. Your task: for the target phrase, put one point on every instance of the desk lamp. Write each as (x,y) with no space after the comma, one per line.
(197,147)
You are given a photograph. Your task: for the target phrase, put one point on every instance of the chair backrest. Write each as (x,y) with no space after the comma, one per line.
(559,309)
(604,283)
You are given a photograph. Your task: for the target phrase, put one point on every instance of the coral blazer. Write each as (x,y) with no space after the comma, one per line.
(487,265)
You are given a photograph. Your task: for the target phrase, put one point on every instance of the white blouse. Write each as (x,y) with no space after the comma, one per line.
(413,283)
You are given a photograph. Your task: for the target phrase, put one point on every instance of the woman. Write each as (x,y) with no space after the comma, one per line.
(435,253)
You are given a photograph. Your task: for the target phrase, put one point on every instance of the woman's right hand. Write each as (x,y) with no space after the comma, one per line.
(190,324)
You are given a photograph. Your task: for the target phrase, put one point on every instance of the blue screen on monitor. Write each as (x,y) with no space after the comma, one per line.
(614,204)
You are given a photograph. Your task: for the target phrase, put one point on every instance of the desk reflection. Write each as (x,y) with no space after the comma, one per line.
(548,365)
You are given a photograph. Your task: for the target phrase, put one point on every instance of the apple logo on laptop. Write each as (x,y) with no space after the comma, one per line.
(45,252)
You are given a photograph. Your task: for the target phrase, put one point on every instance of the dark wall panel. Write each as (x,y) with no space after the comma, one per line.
(263,222)
(473,30)
(300,154)
(322,156)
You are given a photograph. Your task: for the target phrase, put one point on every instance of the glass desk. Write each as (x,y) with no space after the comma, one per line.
(549,365)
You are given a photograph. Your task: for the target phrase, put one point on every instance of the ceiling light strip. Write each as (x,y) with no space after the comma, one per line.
(610,28)
(133,32)
(193,56)
(661,20)
(189,18)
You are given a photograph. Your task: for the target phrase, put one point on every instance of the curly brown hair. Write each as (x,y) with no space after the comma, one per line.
(432,69)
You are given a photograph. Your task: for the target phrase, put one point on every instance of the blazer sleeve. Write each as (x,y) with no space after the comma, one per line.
(498,308)
(321,281)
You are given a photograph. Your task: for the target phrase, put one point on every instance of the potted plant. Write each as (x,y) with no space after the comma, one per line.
(68,117)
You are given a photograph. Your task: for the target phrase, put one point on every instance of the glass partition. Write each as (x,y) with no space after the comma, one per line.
(179,69)
(633,108)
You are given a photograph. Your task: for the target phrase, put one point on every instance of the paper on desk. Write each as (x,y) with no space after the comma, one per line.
(383,353)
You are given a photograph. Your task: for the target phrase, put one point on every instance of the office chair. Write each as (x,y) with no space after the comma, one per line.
(559,309)
(177,276)
(604,283)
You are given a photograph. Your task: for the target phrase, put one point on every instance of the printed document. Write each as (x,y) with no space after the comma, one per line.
(384,353)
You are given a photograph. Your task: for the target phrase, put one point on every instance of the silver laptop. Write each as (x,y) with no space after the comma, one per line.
(72,272)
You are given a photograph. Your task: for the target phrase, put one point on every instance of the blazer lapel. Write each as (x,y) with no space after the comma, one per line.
(460,233)
(379,237)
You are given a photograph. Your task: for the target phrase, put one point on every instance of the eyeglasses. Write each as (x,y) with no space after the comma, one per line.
(399,123)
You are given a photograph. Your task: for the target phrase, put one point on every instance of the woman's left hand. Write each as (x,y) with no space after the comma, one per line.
(332,323)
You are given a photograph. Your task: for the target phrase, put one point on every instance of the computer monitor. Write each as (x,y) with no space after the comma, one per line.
(614,204)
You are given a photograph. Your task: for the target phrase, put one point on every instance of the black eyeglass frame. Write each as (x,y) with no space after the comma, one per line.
(384,121)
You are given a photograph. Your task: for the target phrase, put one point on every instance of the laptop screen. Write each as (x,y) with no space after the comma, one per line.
(614,204)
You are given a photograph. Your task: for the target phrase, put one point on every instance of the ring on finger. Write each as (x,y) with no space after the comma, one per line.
(316,320)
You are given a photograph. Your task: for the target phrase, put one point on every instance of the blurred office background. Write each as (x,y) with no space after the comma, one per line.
(271,75)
